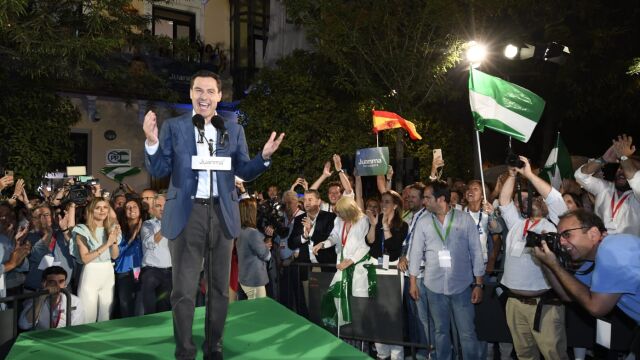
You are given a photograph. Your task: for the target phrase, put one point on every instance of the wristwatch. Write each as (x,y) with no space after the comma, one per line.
(623,158)
(340,171)
(475,285)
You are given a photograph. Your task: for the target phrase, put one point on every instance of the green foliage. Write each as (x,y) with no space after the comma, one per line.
(34,127)
(53,45)
(635,68)
(382,47)
(299,98)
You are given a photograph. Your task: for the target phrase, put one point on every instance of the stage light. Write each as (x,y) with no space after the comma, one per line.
(552,52)
(476,53)
(510,51)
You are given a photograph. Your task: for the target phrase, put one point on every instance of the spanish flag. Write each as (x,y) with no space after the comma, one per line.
(385,120)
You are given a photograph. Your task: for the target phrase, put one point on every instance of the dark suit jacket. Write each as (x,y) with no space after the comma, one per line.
(322,230)
(177,144)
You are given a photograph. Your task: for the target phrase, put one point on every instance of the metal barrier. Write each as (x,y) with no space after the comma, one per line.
(355,336)
(15,300)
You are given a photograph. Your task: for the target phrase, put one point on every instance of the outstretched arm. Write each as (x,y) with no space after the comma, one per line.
(326,172)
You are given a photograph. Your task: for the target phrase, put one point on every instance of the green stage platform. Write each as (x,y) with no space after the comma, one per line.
(256,329)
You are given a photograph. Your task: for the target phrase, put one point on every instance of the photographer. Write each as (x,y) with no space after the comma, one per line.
(534,316)
(610,272)
(50,244)
(253,252)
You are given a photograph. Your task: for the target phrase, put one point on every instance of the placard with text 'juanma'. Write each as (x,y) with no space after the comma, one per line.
(372,161)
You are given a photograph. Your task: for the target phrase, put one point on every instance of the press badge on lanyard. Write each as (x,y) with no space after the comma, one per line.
(615,207)
(444,256)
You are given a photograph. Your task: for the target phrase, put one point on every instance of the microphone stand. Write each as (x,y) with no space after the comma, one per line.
(209,264)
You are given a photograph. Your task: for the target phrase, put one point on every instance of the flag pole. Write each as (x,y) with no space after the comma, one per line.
(377,144)
(484,194)
(557,147)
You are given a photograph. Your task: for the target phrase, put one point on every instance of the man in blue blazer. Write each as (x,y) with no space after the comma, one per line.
(185,220)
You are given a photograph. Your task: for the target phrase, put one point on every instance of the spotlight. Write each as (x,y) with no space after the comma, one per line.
(476,53)
(510,51)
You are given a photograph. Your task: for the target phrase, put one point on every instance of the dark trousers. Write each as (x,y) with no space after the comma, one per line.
(187,253)
(126,288)
(156,289)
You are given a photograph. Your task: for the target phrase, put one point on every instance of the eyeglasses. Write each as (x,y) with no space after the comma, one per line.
(567,233)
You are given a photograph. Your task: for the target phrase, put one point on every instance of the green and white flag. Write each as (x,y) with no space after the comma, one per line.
(502,106)
(118,173)
(558,166)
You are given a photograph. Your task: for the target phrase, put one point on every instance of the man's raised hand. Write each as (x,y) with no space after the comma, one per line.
(272,145)
(150,127)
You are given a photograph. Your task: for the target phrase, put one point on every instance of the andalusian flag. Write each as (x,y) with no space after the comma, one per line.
(385,120)
(118,173)
(502,106)
(558,166)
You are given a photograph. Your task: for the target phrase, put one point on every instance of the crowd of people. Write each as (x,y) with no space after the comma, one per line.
(545,247)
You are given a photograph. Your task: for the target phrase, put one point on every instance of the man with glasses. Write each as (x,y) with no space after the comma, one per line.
(147,196)
(610,274)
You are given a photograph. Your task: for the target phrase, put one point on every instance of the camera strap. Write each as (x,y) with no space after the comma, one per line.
(527,227)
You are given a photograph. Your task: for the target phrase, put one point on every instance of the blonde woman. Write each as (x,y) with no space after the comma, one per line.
(95,246)
(349,232)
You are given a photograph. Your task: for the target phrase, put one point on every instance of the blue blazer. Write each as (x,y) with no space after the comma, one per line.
(176,146)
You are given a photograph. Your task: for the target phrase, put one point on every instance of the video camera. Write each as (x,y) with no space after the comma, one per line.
(271,213)
(553,243)
(80,191)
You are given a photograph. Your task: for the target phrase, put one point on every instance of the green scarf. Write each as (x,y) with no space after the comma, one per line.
(342,290)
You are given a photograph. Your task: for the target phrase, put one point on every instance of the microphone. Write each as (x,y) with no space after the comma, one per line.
(198,122)
(218,123)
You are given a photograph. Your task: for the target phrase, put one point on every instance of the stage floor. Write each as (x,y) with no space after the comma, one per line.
(256,329)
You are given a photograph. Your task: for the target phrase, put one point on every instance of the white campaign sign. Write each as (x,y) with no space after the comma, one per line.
(215,163)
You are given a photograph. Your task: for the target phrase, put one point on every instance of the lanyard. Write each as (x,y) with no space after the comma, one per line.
(416,216)
(344,236)
(479,224)
(382,235)
(52,244)
(527,227)
(57,320)
(446,234)
(616,207)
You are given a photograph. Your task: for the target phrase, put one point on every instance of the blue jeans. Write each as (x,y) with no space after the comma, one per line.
(426,321)
(417,317)
(459,307)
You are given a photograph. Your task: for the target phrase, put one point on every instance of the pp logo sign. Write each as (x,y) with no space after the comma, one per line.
(118,157)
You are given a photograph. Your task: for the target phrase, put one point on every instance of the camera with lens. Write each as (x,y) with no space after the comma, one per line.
(80,192)
(553,243)
(513,160)
(271,213)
